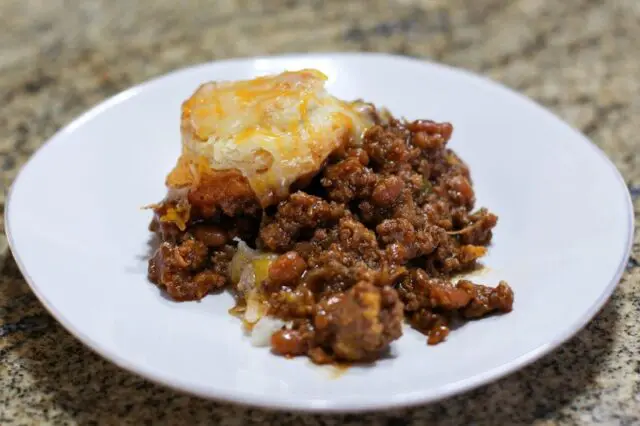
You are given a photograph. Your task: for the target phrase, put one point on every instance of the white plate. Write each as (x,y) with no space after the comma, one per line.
(78,234)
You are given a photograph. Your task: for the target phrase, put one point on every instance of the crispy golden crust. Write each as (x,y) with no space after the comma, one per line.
(227,190)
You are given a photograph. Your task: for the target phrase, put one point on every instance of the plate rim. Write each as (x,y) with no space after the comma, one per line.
(407,399)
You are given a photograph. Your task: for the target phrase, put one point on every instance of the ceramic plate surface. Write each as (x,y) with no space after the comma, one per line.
(80,237)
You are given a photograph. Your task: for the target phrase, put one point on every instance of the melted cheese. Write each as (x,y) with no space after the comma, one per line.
(272,129)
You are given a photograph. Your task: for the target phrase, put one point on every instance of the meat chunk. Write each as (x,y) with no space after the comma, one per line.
(356,238)
(399,234)
(419,291)
(297,303)
(388,147)
(301,211)
(331,270)
(359,325)
(348,179)
(177,269)
(433,325)
(188,255)
(485,300)
(479,229)
(430,302)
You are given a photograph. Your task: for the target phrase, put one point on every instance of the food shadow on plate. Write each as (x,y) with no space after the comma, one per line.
(150,247)
(153,242)
(61,370)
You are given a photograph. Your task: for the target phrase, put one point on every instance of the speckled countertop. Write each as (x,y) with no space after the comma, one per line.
(581,58)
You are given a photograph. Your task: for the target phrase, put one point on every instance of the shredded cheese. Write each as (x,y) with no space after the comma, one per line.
(273,129)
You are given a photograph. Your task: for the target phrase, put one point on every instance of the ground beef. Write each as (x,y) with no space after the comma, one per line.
(349,179)
(332,270)
(372,238)
(400,236)
(358,324)
(301,212)
(485,300)
(434,325)
(182,270)
(419,291)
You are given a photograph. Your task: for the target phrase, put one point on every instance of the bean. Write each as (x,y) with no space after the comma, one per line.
(287,268)
(210,235)
(387,191)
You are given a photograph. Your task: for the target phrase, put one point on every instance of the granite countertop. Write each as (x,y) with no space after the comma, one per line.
(581,58)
